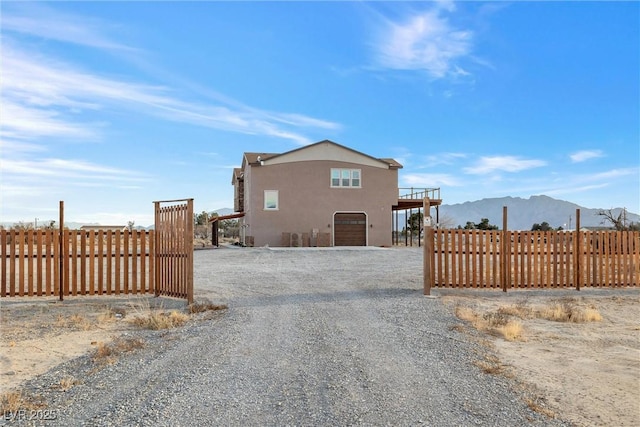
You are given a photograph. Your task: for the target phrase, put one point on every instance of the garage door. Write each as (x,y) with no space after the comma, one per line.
(350,229)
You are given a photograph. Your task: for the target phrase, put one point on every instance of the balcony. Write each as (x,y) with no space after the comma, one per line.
(413,198)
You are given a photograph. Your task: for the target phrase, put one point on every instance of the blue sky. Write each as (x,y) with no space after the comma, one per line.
(112,105)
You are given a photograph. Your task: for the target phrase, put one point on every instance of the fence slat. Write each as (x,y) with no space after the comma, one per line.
(117,250)
(125,262)
(102,260)
(3,264)
(83,263)
(56,263)
(92,262)
(134,261)
(21,262)
(38,263)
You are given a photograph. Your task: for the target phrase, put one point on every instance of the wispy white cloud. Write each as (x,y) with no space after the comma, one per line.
(430,180)
(491,164)
(32,122)
(30,18)
(7,145)
(571,190)
(568,183)
(425,41)
(62,168)
(584,155)
(613,173)
(443,159)
(46,96)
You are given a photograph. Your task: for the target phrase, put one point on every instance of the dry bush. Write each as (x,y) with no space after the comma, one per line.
(496,323)
(75,321)
(111,314)
(511,331)
(568,311)
(536,404)
(107,353)
(202,306)
(592,314)
(490,365)
(465,313)
(556,312)
(495,319)
(107,316)
(156,320)
(14,401)
(520,310)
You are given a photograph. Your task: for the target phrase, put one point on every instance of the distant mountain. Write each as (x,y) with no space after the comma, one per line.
(523,213)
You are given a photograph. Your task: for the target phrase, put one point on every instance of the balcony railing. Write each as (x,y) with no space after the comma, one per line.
(419,193)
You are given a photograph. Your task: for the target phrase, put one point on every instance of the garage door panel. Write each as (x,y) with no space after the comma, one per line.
(350,229)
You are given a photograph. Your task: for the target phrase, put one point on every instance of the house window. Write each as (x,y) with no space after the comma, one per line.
(271,200)
(346,178)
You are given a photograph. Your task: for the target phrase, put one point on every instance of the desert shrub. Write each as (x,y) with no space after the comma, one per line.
(160,320)
(108,352)
(204,305)
(568,311)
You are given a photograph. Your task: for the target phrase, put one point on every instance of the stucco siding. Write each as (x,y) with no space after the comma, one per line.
(306,200)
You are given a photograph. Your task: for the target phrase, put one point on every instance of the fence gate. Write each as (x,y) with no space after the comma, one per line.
(174,248)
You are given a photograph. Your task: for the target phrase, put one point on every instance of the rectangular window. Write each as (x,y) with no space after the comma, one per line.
(335,177)
(271,200)
(346,178)
(355,178)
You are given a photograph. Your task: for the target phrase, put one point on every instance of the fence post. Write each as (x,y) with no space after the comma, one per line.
(61,252)
(157,249)
(189,250)
(505,256)
(577,274)
(428,248)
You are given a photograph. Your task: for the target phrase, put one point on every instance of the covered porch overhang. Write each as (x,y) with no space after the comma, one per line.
(413,198)
(215,221)
(408,200)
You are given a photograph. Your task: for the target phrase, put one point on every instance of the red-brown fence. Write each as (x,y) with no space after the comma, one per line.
(174,251)
(95,262)
(533,259)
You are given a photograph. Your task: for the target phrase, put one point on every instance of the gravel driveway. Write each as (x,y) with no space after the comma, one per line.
(323,337)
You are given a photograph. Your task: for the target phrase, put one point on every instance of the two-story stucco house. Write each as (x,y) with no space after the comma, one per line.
(323,194)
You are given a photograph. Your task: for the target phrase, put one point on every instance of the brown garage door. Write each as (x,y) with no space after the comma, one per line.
(350,229)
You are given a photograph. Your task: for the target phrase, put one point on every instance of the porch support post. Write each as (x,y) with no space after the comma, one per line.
(428,257)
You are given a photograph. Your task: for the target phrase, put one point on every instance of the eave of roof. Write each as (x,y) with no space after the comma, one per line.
(252,158)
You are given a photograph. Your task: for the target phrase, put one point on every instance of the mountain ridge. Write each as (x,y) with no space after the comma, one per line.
(522,213)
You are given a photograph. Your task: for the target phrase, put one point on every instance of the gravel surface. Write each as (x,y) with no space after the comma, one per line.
(312,337)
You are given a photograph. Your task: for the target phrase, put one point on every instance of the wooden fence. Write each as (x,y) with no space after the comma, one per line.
(531,259)
(174,251)
(75,262)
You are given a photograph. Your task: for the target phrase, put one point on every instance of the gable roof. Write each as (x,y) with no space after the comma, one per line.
(312,151)
(253,158)
(238,173)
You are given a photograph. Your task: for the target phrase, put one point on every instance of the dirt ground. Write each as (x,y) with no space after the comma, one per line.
(588,373)
(37,334)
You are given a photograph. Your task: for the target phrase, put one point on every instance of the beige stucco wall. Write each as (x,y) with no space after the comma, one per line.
(307,201)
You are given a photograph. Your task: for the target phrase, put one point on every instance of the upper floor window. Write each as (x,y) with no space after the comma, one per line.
(271,200)
(346,178)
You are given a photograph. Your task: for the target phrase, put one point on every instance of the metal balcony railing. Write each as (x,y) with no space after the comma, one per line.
(412,193)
